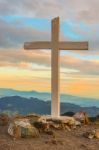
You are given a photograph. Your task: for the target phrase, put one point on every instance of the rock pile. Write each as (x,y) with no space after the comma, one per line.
(32,125)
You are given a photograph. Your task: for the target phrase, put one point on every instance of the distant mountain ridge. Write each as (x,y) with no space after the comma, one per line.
(17,104)
(11,92)
(84,102)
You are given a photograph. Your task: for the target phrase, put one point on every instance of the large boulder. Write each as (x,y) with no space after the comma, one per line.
(81,117)
(21,128)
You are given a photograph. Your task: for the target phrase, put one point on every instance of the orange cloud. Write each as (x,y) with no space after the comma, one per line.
(86,86)
(21,57)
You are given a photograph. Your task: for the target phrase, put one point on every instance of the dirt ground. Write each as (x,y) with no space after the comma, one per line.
(64,140)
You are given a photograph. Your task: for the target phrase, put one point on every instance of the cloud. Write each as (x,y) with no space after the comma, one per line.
(25,59)
(16,56)
(84,66)
(14,35)
(90,13)
(78,16)
(71,9)
(79,21)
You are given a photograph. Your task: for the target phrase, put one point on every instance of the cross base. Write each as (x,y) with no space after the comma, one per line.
(63,119)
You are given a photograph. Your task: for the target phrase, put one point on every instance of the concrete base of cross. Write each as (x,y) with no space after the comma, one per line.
(63,119)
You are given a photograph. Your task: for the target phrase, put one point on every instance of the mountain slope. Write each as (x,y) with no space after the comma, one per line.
(30,105)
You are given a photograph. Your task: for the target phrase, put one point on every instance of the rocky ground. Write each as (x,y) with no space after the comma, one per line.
(63,140)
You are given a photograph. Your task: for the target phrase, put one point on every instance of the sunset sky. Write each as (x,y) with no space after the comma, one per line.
(30,20)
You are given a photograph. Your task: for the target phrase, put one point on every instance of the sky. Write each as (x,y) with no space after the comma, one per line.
(30,20)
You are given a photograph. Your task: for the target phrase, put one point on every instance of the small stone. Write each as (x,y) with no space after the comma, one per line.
(46,142)
(54,141)
(97,134)
(60,142)
(67,128)
(89,134)
(50,132)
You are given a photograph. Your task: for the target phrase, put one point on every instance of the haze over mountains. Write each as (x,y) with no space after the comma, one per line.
(24,102)
(84,102)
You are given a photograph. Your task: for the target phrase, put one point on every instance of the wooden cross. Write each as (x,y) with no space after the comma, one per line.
(55,45)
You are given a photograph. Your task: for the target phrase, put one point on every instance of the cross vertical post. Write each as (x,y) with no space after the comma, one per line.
(55,65)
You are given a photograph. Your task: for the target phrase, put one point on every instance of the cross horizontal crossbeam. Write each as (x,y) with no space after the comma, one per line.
(61,45)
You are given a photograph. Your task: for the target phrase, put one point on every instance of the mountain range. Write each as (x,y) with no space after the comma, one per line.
(45,96)
(17,104)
